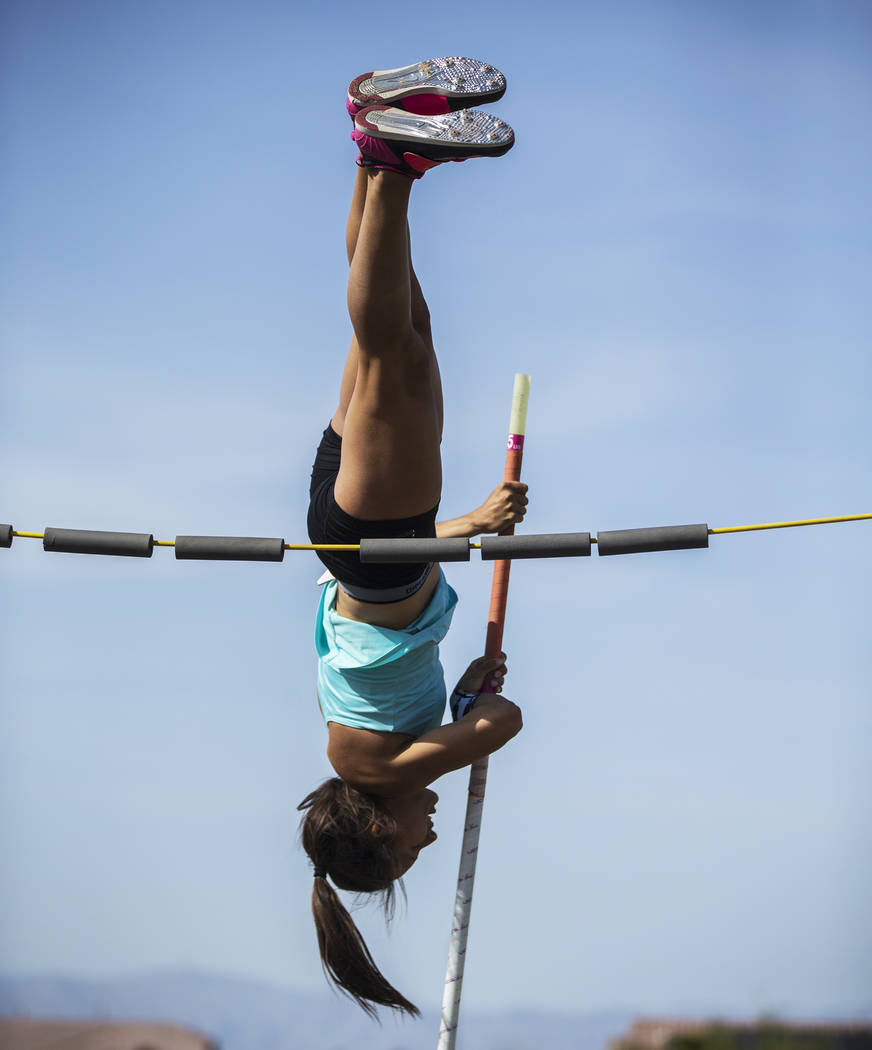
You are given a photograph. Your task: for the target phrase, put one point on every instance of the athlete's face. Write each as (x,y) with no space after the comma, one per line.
(414,826)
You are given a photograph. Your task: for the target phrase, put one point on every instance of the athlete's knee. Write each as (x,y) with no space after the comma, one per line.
(402,364)
(421,317)
(383,334)
(414,368)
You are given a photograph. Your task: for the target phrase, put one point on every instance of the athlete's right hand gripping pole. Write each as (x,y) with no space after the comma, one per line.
(478,770)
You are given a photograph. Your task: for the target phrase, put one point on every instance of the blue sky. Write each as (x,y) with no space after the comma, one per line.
(678,251)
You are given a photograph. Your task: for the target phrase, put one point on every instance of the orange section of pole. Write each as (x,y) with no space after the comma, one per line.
(514,454)
(496,619)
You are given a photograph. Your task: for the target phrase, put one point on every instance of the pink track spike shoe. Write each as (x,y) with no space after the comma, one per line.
(439,85)
(412,143)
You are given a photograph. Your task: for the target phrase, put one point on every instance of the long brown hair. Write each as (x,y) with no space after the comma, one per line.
(348,835)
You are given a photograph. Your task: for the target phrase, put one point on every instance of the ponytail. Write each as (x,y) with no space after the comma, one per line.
(346,958)
(349,834)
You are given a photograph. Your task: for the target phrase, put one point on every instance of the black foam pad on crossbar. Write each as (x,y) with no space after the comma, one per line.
(5,535)
(229,548)
(85,541)
(643,541)
(550,545)
(411,551)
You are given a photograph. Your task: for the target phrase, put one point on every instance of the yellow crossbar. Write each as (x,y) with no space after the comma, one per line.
(790,524)
(477,546)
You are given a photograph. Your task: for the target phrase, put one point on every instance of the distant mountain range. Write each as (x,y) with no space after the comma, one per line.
(248,1015)
(245,1015)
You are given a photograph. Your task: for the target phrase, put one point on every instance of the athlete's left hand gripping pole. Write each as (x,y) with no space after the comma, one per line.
(478,770)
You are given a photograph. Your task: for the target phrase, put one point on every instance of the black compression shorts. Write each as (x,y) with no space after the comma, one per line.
(328,523)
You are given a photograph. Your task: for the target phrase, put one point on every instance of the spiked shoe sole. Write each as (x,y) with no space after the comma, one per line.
(448,136)
(463,82)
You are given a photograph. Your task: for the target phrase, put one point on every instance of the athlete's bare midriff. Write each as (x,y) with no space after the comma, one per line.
(393,615)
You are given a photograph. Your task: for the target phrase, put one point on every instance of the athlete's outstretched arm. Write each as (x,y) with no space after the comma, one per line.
(486,728)
(505,506)
(491,723)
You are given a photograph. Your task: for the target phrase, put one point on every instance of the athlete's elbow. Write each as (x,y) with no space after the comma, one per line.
(496,721)
(514,721)
(506,721)
(501,715)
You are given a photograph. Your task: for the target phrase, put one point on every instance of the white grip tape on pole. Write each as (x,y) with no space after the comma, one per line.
(520,400)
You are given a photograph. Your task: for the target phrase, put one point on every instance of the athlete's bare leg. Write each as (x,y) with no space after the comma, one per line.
(420,313)
(391,429)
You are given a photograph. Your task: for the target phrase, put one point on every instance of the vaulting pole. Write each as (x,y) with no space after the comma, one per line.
(478,770)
